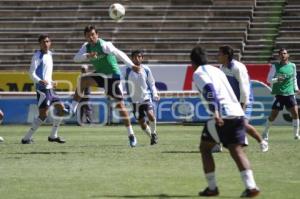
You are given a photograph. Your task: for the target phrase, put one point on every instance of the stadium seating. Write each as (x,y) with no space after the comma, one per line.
(166,30)
(263,30)
(289,32)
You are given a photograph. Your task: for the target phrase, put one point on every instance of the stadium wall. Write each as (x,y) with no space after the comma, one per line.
(179,102)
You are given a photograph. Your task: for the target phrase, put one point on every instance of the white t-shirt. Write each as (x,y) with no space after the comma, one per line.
(41,69)
(209,75)
(238,77)
(140,86)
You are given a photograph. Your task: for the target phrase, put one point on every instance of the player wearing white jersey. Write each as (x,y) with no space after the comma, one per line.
(227,125)
(140,86)
(41,74)
(237,75)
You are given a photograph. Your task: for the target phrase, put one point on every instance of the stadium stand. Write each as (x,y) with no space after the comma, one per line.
(166,30)
(263,30)
(289,31)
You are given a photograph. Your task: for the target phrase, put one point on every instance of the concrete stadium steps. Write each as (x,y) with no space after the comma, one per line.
(124,2)
(292,2)
(179,23)
(108,2)
(263,30)
(289,32)
(169,28)
(186,44)
(292,10)
(111,33)
(102,12)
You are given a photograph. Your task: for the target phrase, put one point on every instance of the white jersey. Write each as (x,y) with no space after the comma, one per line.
(140,86)
(209,76)
(41,69)
(239,80)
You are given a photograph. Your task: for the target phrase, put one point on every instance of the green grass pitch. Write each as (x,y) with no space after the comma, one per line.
(96,162)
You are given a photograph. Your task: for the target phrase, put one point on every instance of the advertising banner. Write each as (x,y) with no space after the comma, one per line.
(176,108)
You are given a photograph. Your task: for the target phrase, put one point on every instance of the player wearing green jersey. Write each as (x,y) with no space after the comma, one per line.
(283,77)
(103,56)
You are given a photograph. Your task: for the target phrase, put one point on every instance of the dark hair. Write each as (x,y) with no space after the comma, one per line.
(136,52)
(227,50)
(198,56)
(42,37)
(282,49)
(89,28)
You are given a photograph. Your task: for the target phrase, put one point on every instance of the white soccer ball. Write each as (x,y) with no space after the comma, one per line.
(1,139)
(116,11)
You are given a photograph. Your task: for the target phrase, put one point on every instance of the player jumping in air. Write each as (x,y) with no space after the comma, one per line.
(103,56)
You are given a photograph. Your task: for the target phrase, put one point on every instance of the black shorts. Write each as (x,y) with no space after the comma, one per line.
(281,101)
(140,109)
(111,85)
(232,132)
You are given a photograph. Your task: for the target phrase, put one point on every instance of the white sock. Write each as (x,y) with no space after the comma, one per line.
(56,123)
(34,126)
(147,131)
(153,126)
(130,130)
(74,106)
(211,180)
(296,126)
(267,126)
(248,179)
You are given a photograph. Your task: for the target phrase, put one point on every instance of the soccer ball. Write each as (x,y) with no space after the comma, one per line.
(116,11)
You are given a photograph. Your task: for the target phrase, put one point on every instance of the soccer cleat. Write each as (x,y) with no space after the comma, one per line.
(208,193)
(217,148)
(58,140)
(297,137)
(250,193)
(132,140)
(264,146)
(30,141)
(154,139)
(265,136)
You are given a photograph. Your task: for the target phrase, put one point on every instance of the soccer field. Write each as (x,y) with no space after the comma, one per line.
(96,162)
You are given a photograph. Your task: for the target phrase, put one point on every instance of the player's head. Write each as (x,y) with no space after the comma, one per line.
(137,57)
(283,54)
(45,42)
(225,54)
(198,57)
(91,34)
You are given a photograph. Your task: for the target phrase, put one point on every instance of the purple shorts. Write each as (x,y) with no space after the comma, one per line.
(232,132)
(46,97)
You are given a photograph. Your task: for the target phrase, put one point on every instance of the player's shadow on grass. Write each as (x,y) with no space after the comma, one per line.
(44,153)
(144,196)
(180,152)
(154,196)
